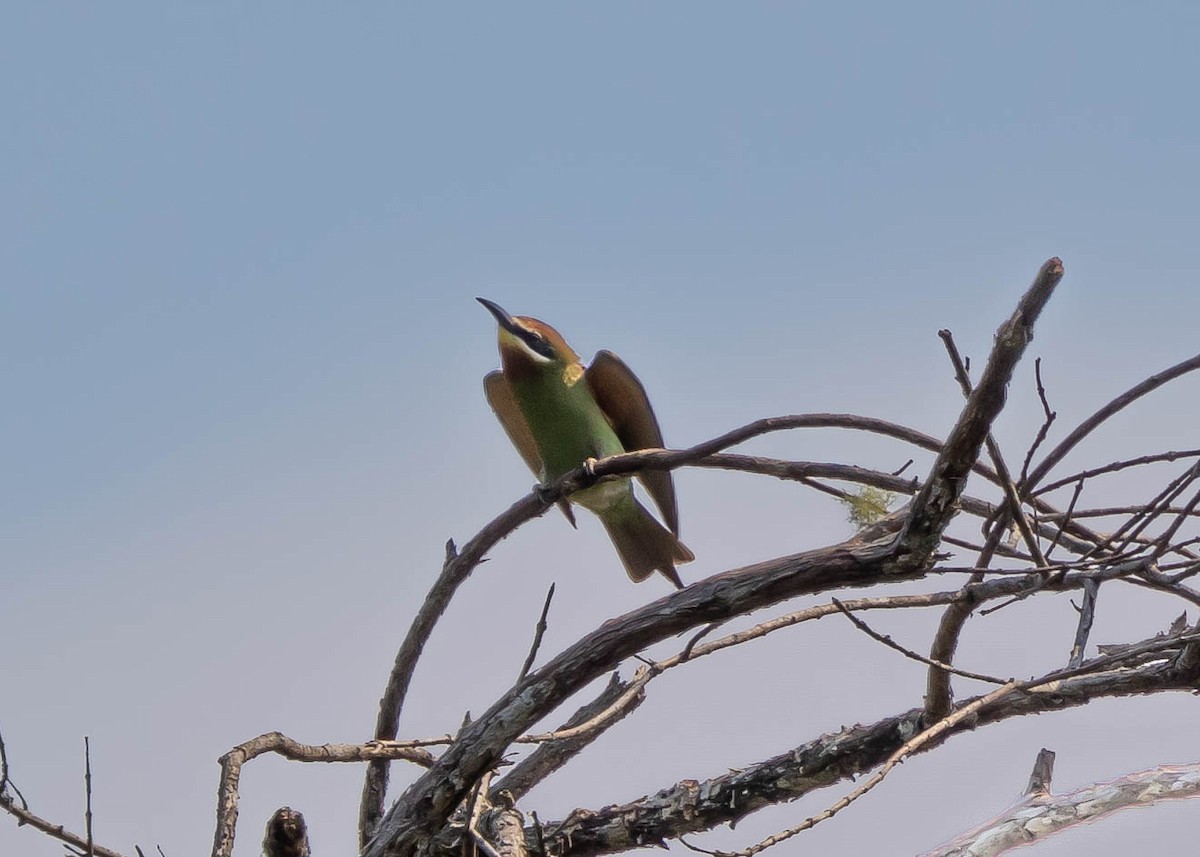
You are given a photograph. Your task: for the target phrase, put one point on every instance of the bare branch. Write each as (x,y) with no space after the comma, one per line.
(1041,814)
(909,653)
(562,747)
(1117,466)
(937,501)
(1011,494)
(1095,420)
(1087,613)
(277,742)
(23,815)
(1042,774)
(1048,420)
(87,787)
(911,746)
(690,806)
(538,632)
(458,566)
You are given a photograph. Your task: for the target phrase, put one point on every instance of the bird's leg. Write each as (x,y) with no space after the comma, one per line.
(542,490)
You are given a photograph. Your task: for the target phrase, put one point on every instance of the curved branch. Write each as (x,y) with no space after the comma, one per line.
(276,742)
(458,566)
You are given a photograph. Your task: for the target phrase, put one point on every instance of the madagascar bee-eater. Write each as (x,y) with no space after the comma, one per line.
(559,415)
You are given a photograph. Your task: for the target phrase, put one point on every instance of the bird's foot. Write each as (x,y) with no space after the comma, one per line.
(589,467)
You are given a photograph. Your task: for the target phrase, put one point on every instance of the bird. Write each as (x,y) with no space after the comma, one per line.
(560,415)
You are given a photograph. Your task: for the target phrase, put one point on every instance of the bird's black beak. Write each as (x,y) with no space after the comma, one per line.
(502,317)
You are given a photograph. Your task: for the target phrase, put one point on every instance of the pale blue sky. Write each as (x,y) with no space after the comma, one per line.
(241,360)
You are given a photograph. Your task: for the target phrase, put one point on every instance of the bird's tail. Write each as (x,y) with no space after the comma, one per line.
(644,545)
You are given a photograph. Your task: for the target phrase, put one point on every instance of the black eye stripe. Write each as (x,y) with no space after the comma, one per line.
(538,343)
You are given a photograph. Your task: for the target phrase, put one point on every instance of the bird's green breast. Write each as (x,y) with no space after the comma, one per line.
(565,420)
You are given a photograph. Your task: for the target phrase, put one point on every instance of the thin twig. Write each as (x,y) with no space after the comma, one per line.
(1048,420)
(1164,540)
(23,815)
(1116,466)
(5,782)
(1066,519)
(1097,419)
(1158,506)
(1015,512)
(87,787)
(538,633)
(909,653)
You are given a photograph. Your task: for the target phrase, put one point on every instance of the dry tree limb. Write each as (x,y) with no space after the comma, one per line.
(87,788)
(1066,518)
(909,653)
(1042,774)
(1042,814)
(1011,494)
(478,799)
(1087,613)
(426,804)
(276,742)
(1048,419)
(1130,532)
(16,806)
(618,703)
(504,825)
(983,406)
(1116,466)
(538,632)
(1095,420)
(558,750)
(459,565)
(628,635)
(1156,665)
(935,504)
(1163,542)
(909,747)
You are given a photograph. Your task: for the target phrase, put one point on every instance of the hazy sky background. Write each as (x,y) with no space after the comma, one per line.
(241,361)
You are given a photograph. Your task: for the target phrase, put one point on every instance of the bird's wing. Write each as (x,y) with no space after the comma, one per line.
(500,397)
(623,399)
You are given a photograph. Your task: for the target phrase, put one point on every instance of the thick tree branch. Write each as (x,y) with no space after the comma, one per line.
(691,806)
(426,805)
(937,501)
(459,565)
(1041,814)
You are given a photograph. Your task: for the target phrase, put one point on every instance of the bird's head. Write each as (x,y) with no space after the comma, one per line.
(529,346)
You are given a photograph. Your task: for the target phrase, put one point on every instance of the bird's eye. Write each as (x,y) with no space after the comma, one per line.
(538,344)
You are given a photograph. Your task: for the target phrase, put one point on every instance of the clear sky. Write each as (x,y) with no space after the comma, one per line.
(240,361)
